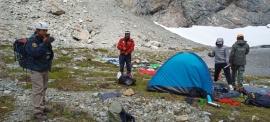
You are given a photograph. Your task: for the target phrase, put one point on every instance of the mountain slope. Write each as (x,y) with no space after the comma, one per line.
(185,13)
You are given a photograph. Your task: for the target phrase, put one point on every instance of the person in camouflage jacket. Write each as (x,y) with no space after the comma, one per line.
(237,59)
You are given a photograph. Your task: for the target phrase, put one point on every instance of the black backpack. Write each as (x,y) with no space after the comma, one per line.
(20,52)
(126,80)
(257,99)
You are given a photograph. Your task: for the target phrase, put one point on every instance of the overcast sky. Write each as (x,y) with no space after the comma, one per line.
(207,35)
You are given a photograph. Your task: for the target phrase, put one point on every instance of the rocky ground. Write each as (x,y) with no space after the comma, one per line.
(143,108)
(154,110)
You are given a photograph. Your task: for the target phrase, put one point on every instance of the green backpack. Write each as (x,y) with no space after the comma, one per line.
(117,113)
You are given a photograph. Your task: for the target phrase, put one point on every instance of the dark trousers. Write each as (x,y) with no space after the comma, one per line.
(218,68)
(125,59)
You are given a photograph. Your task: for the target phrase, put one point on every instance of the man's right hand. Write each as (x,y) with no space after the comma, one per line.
(209,53)
(46,38)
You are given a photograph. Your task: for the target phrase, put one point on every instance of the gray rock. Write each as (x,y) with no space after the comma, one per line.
(186,13)
(182,118)
(7,91)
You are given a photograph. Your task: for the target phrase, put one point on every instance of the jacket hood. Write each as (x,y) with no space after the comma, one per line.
(219,41)
(241,42)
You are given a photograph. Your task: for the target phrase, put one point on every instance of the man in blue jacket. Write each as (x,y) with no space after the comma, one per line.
(39,61)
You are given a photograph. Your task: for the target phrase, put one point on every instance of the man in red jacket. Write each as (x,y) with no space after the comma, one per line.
(126,46)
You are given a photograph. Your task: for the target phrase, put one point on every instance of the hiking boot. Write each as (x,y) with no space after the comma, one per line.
(47,109)
(40,116)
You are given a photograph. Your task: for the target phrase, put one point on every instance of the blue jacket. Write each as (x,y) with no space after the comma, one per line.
(39,53)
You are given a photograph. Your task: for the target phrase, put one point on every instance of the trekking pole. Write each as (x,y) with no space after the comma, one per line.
(226,66)
(214,104)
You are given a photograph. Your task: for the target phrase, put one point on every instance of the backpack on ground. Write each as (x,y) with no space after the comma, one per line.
(126,80)
(116,113)
(219,89)
(20,52)
(257,99)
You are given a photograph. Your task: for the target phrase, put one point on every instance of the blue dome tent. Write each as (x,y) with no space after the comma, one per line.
(185,73)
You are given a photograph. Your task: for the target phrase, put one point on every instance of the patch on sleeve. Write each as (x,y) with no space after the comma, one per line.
(34,44)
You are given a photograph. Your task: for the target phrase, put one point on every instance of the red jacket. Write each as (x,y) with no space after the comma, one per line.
(126,47)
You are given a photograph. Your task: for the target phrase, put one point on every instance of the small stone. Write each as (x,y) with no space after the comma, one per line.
(255,118)
(182,118)
(21,97)
(82,106)
(7,91)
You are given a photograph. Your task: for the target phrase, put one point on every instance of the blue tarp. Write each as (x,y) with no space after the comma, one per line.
(109,95)
(114,61)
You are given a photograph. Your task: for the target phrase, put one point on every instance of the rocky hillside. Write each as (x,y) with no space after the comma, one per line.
(85,23)
(185,13)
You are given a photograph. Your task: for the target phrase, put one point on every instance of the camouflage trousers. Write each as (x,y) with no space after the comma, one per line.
(238,70)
